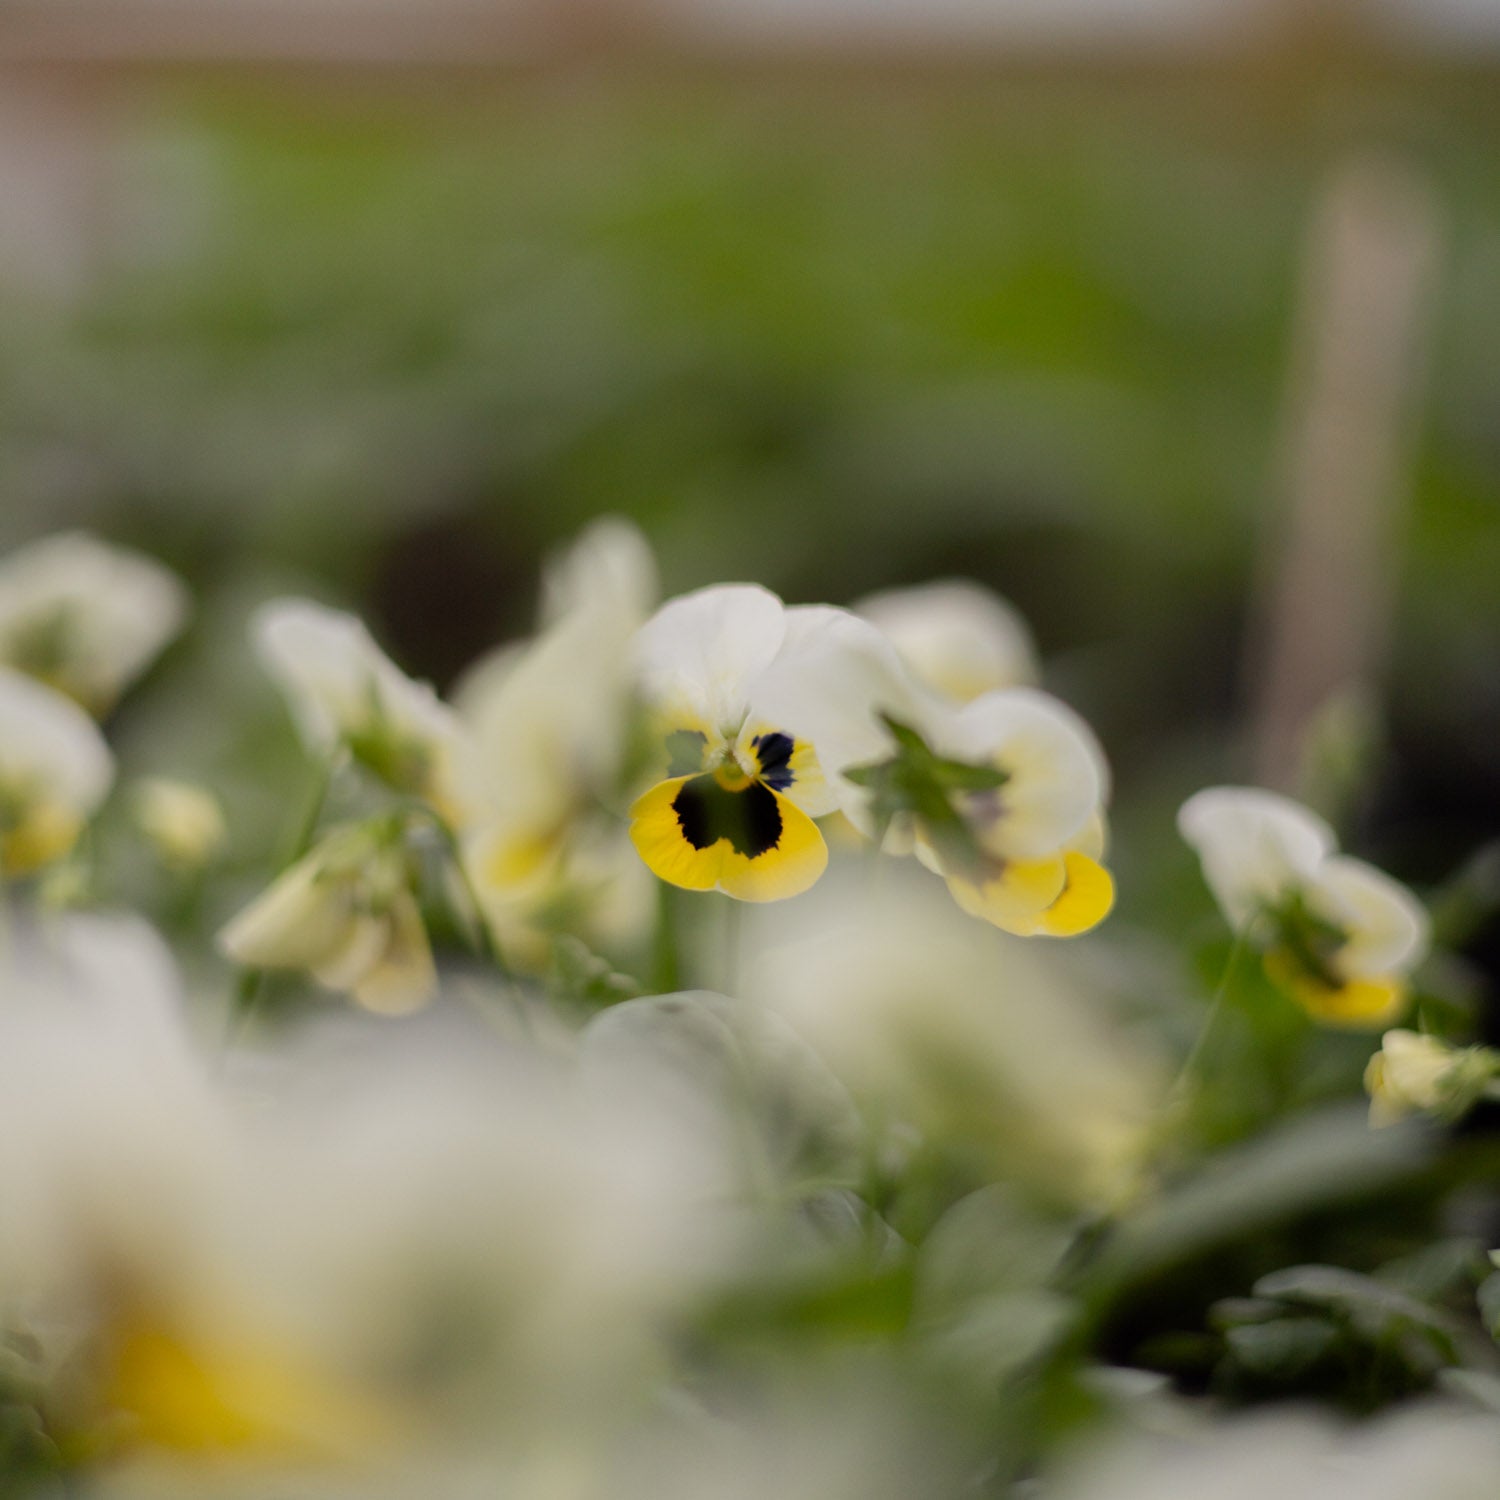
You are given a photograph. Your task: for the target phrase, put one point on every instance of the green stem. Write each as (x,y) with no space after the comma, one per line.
(481,935)
(1182,1084)
(667,960)
(732,942)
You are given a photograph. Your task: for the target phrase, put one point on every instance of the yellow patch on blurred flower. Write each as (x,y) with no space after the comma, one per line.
(55,770)
(1337,935)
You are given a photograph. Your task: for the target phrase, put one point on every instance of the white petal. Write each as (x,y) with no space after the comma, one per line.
(834,677)
(699,653)
(302,920)
(49,747)
(958,637)
(1058,776)
(1255,846)
(1387,925)
(611,562)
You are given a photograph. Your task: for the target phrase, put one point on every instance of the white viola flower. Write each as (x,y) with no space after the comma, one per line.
(959,638)
(740,787)
(1417,1074)
(86,617)
(183,822)
(1002,796)
(346,694)
(983,1043)
(55,770)
(347,914)
(1338,935)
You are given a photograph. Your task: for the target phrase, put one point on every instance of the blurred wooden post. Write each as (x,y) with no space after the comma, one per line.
(1330,552)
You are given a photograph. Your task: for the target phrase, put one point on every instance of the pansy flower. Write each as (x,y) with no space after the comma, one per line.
(1003,797)
(1336,934)
(85,617)
(346,695)
(739,788)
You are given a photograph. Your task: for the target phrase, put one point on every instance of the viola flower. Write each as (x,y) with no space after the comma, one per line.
(1003,797)
(345,694)
(739,791)
(1336,934)
(1416,1074)
(55,770)
(85,617)
(183,822)
(346,913)
(957,637)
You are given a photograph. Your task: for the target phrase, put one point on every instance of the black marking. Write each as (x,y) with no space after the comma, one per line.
(685,752)
(749,819)
(774,752)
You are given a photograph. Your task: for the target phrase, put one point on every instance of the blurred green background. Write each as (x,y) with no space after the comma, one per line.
(390,338)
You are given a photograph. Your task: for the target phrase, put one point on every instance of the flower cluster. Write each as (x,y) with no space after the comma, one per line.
(707,1117)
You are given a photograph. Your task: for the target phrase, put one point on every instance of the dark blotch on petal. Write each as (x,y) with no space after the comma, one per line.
(749,819)
(774,752)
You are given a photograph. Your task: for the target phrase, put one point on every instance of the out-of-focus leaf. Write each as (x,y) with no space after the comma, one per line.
(1489,1304)
(1282,1349)
(1320,1160)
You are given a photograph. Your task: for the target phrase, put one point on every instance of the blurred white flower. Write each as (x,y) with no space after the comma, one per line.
(55,770)
(346,694)
(183,822)
(1416,1074)
(86,617)
(552,719)
(1437,1452)
(1337,934)
(973,1037)
(346,912)
(959,638)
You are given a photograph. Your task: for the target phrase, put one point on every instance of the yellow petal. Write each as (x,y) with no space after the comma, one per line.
(1017,896)
(786,867)
(1085,901)
(1359,1004)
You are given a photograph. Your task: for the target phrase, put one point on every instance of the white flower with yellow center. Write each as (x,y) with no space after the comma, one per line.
(1003,796)
(345,694)
(957,637)
(55,770)
(182,821)
(734,811)
(85,617)
(347,914)
(1338,935)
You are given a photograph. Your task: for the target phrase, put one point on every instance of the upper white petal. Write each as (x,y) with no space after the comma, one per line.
(50,744)
(1256,846)
(699,653)
(1387,926)
(610,563)
(1058,777)
(959,637)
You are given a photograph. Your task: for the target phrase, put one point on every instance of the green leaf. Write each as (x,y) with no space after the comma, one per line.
(1282,1349)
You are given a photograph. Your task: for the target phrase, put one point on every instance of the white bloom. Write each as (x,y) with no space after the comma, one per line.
(84,616)
(183,821)
(347,914)
(55,770)
(1408,1075)
(973,1036)
(959,638)
(1339,935)
(346,693)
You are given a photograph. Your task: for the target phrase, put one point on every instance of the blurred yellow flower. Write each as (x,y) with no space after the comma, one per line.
(183,822)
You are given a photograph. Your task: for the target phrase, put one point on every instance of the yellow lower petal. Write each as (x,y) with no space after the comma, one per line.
(1366,1004)
(798,857)
(1017,896)
(47,832)
(1086,899)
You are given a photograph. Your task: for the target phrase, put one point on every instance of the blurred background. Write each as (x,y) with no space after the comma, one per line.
(1176,321)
